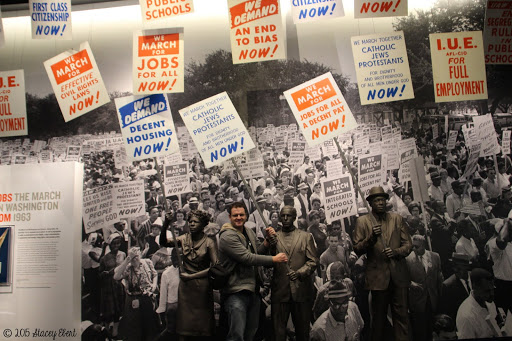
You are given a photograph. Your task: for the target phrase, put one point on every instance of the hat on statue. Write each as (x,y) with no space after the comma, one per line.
(376,192)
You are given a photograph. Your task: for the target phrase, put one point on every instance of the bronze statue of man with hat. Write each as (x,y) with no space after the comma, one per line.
(385,239)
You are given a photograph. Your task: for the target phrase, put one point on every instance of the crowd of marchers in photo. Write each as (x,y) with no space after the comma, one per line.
(455,248)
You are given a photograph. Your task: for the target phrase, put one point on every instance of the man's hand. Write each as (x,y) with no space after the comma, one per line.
(271,238)
(377,231)
(388,252)
(293,275)
(280,258)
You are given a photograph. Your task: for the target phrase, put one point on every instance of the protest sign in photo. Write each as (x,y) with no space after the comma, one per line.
(158,65)
(217,130)
(155,11)
(340,198)
(77,82)
(176,178)
(256,31)
(371,172)
(382,68)
(505,142)
(13,108)
(320,109)
(307,11)
(51,19)
(147,126)
(498,32)
(380,8)
(458,66)
(486,135)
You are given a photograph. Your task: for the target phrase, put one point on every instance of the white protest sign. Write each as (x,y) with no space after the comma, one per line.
(98,208)
(19,159)
(147,126)
(13,108)
(217,130)
(407,150)
(158,65)
(334,168)
(472,162)
(329,148)
(51,19)
(313,152)
(320,109)
(371,172)
(306,11)
(120,158)
(155,11)
(497,32)
(379,8)
(458,66)
(452,139)
(390,149)
(107,204)
(435,131)
(382,68)
(77,82)
(249,163)
(386,132)
(486,134)
(256,31)
(73,153)
(296,154)
(340,198)
(505,142)
(129,199)
(404,173)
(176,179)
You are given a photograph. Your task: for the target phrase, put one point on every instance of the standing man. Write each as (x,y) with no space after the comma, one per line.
(425,291)
(239,250)
(386,241)
(292,288)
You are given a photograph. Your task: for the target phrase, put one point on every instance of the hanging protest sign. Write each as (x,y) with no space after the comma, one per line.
(155,11)
(382,68)
(340,198)
(176,179)
(320,109)
(458,66)
(13,108)
(257,32)
(452,139)
(217,130)
(51,19)
(486,134)
(307,11)
(380,8)
(497,32)
(73,153)
(77,82)
(158,65)
(505,142)
(371,172)
(147,126)
(2,35)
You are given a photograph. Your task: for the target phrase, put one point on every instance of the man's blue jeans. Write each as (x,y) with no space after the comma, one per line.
(242,310)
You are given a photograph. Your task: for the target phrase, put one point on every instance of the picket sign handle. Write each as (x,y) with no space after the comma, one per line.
(159,177)
(356,185)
